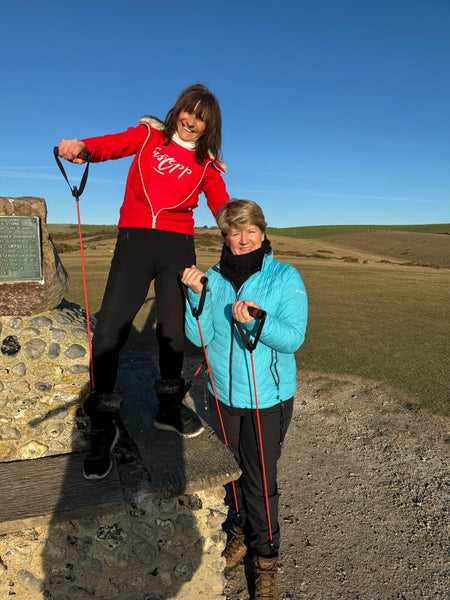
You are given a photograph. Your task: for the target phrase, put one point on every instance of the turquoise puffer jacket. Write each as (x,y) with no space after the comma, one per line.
(278,289)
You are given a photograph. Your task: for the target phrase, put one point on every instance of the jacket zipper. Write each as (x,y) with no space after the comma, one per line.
(230,359)
(274,371)
(230,370)
(230,382)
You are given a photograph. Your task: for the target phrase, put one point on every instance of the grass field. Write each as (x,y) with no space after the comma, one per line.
(373,312)
(326,230)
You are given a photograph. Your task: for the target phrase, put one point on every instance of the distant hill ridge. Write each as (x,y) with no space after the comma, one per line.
(325,230)
(413,245)
(311,231)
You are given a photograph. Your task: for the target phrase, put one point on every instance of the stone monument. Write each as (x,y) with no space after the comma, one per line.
(44,356)
(32,277)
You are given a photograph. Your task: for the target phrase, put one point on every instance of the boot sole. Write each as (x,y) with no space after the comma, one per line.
(166,427)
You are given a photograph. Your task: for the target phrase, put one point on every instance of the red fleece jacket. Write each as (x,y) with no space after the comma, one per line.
(164,181)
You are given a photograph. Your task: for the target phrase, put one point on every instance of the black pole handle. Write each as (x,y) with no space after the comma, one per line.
(198,311)
(84,154)
(256,313)
(76,192)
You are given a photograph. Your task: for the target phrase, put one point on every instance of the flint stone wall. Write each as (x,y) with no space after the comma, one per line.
(151,548)
(30,297)
(44,378)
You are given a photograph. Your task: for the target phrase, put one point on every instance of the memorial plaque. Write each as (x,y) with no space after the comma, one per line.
(20,249)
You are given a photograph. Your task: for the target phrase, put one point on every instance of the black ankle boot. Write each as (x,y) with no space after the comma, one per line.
(103,412)
(102,439)
(99,403)
(172,415)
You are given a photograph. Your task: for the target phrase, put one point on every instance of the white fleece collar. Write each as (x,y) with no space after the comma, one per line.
(188,145)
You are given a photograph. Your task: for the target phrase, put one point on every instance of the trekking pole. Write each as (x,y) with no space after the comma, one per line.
(250,345)
(76,193)
(196,312)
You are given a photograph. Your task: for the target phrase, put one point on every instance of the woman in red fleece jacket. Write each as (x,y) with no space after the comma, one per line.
(174,161)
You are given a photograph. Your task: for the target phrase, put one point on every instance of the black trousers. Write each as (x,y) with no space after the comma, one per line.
(141,256)
(241,430)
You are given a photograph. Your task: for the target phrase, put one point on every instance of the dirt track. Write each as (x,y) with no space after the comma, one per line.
(364,497)
(364,472)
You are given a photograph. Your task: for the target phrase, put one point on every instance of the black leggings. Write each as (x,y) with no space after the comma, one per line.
(140,256)
(243,439)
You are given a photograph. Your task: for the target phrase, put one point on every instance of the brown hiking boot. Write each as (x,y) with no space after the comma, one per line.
(266,575)
(235,549)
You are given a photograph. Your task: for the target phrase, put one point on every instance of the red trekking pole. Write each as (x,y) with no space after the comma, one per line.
(76,193)
(250,345)
(196,312)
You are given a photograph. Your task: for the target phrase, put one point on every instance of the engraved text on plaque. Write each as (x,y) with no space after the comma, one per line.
(20,249)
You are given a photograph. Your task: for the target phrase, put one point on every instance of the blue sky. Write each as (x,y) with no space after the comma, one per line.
(334,111)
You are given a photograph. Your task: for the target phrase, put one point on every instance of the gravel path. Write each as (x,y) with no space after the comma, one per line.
(364,497)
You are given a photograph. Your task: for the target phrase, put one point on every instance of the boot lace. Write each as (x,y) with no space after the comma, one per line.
(266,583)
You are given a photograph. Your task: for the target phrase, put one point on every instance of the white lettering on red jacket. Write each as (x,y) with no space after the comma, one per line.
(169,164)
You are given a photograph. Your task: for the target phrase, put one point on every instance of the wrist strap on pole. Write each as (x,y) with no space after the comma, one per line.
(76,192)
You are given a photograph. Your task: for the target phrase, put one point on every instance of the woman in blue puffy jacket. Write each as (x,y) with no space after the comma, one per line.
(248,276)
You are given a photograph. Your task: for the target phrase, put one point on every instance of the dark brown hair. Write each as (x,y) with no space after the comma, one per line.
(198,99)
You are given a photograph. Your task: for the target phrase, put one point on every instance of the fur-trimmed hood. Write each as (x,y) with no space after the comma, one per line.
(153,121)
(158,124)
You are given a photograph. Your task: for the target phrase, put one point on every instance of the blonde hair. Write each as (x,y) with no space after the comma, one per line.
(240,214)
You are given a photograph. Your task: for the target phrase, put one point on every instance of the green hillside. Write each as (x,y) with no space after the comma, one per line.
(327,230)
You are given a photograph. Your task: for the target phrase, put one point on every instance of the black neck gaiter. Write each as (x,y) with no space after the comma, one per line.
(238,267)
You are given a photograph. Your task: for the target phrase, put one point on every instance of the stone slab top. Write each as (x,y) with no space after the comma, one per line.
(33,491)
(147,461)
(173,463)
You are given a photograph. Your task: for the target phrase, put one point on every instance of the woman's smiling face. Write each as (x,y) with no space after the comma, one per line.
(190,127)
(243,241)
